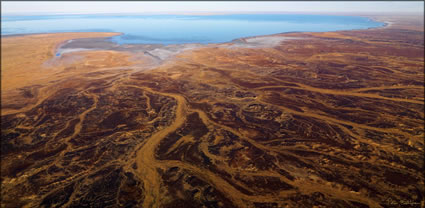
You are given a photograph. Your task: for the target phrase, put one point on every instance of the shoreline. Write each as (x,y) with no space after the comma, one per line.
(161,52)
(385,24)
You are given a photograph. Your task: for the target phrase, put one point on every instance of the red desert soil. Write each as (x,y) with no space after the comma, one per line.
(331,119)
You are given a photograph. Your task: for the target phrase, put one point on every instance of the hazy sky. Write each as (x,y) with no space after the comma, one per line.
(207,7)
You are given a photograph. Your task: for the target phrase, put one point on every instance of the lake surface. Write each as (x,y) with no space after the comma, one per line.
(179,29)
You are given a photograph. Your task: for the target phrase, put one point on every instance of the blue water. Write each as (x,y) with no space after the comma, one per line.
(178,29)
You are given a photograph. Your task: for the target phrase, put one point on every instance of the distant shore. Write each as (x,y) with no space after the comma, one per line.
(26,34)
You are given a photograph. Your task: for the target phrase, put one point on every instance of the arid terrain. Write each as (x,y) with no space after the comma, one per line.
(333,119)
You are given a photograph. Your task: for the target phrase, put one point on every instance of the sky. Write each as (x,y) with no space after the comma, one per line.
(163,7)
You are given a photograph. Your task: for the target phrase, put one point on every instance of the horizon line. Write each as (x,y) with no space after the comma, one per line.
(213,13)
